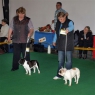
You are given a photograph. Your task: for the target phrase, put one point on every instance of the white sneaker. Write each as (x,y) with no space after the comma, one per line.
(56,77)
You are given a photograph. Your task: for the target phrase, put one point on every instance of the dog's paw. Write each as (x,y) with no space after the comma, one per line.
(69,85)
(39,72)
(26,73)
(76,82)
(65,83)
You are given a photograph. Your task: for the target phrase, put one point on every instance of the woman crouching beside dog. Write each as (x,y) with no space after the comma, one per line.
(60,42)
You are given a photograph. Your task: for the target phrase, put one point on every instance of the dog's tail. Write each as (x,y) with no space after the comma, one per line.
(78,73)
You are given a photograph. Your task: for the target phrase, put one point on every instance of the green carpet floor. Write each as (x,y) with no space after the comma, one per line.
(18,83)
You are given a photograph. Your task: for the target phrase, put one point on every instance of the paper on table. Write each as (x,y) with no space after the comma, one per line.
(43,39)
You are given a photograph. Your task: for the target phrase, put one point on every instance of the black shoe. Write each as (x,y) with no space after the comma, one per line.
(14,69)
(1,51)
(85,56)
(80,56)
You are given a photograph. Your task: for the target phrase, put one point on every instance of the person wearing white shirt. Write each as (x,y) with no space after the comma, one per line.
(3,36)
(4,30)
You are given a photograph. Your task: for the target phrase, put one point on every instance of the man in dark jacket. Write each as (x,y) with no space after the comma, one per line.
(64,42)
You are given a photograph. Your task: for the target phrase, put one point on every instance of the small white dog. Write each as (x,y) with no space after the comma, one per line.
(28,65)
(69,74)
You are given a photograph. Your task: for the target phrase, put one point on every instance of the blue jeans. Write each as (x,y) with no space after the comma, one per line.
(64,62)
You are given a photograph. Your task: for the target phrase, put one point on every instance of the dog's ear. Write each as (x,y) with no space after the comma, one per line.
(64,69)
(23,60)
(20,60)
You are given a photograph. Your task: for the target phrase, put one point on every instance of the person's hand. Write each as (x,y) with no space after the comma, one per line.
(67,31)
(54,44)
(9,39)
(81,38)
(28,35)
(87,38)
(52,21)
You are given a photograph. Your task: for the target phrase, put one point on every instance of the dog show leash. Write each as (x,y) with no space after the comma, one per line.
(65,49)
(63,32)
(27,48)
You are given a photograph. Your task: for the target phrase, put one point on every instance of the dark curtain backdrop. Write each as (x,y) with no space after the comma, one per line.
(5,5)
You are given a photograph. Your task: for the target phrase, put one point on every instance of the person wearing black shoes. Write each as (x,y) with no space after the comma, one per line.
(85,40)
(22,28)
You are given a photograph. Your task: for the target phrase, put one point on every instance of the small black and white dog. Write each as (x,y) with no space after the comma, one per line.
(28,65)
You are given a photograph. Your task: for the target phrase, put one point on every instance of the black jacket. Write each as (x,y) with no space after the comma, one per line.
(21,30)
(61,39)
(86,41)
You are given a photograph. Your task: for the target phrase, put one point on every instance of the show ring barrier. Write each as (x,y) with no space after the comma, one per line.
(9,44)
(88,49)
(82,48)
(5,42)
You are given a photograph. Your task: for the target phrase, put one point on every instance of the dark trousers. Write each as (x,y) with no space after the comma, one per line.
(2,39)
(4,47)
(19,49)
(83,43)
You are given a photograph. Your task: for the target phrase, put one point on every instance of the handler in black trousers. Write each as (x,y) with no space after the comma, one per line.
(22,29)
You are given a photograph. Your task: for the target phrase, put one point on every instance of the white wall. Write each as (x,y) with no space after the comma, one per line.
(41,12)
(1,11)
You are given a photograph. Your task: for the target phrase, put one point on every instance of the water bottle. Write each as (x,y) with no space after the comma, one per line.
(49,49)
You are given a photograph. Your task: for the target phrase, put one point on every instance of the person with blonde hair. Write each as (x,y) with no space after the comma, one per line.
(22,29)
(85,40)
(4,30)
(64,42)
(4,35)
